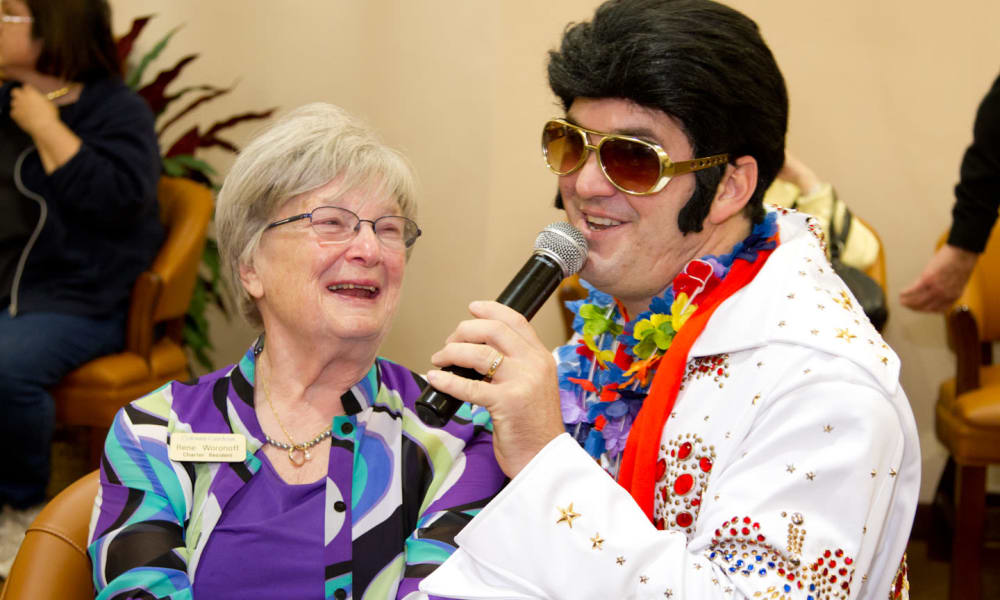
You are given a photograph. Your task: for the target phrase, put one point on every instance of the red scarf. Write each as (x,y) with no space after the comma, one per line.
(637,474)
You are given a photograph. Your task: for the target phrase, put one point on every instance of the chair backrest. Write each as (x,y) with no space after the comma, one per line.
(163,292)
(53,561)
(876,270)
(982,293)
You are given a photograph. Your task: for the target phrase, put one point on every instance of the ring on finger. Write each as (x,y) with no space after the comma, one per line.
(488,377)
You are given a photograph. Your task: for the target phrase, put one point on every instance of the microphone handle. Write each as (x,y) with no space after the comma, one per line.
(526,293)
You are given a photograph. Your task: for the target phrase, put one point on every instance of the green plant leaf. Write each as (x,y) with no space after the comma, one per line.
(135,75)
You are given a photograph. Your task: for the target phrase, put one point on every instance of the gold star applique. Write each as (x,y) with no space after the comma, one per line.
(810,476)
(827,428)
(567,515)
(892,472)
(821,307)
(791,296)
(620,560)
(755,399)
(844,300)
(884,359)
(706,418)
(760,364)
(598,542)
(643,579)
(668,594)
(814,331)
(697,566)
(790,468)
(807,371)
(781,323)
(874,473)
(845,335)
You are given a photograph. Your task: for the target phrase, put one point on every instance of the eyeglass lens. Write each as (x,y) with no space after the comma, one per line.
(339,224)
(628,164)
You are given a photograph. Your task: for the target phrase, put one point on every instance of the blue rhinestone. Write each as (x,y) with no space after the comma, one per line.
(732,569)
(812,587)
(770,564)
(810,597)
(759,558)
(739,563)
(788,588)
(712,555)
(763,572)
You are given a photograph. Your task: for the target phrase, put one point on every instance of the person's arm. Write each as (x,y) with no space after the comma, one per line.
(104,172)
(137,535)
(464,483)
(39,118)
(802,505)
(977,197)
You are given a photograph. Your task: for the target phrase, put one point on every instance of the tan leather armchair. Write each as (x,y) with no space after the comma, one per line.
(52,561)
(967,416)
(92,394)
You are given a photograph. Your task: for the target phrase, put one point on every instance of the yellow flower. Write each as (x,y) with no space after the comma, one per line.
(681,311)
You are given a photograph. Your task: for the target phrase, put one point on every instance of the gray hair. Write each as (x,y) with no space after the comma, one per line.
(304,150)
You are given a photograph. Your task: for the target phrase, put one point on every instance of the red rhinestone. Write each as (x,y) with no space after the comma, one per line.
(673,452)
(781,571)
(685,519)
(827,554)
(839,552)
(746,520)
(696,501)
(819,561)
(706,465)
(661,468)
(718,533)
(760,538)
(791,577)
(848,560)
(732,532)
(846,585)
(799,583)
(663,492)
(683,484)
(833,579)
(746,531)
(826,572)
(843,572)
(833,564)
(685,451)
(756,526)
(720,371)
(660,524)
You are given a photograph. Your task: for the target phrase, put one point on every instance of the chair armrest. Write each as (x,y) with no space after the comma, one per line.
(139,329)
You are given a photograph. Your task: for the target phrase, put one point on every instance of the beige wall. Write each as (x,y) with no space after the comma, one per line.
(883,95)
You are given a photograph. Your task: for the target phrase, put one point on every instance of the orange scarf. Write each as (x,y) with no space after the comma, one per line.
(637,473)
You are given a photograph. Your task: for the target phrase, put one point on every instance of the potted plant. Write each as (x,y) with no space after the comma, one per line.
(179,160)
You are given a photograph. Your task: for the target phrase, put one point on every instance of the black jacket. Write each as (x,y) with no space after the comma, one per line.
(977,195)
(74,241)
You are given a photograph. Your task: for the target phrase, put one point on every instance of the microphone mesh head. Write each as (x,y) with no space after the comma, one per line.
(565,244)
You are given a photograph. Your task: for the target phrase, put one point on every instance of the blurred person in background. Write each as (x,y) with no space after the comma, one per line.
(79,221)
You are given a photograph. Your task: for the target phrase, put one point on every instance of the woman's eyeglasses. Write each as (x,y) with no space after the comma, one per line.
(632,165)
(335,224)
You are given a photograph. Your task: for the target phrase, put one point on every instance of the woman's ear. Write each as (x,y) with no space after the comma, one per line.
(251,280)
(734,191)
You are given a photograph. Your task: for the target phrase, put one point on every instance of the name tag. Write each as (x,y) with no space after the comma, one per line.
(207,447)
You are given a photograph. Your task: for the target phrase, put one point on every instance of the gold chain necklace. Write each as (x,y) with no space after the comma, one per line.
(59,93)
(294,450)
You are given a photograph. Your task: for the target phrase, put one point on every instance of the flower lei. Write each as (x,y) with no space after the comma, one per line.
(604,379)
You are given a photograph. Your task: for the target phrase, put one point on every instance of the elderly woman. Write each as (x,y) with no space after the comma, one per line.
(302,471)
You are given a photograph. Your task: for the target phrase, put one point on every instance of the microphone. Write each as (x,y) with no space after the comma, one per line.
(560,251)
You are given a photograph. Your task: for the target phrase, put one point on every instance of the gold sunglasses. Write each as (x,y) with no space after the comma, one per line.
(632,165)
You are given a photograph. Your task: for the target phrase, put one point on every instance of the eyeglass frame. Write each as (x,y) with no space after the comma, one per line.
(357,228)
(5,18)
(668,168)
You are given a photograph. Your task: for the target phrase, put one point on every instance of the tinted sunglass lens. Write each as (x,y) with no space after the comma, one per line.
(563,147)
(630,165)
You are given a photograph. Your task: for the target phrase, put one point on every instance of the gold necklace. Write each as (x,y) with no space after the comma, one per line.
(294,450)
(59,93)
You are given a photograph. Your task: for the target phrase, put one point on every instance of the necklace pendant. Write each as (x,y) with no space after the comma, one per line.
(297,456)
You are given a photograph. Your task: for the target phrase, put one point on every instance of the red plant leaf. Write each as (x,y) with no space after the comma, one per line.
(186,144)
(248,116)
(125,42)
(155,92)
(213,93)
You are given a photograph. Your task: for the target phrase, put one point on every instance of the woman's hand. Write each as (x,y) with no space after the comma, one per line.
(39,118)
(31,110)
(523,396)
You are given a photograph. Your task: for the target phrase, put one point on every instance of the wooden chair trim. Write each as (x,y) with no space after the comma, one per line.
(139,330)
(964,332)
